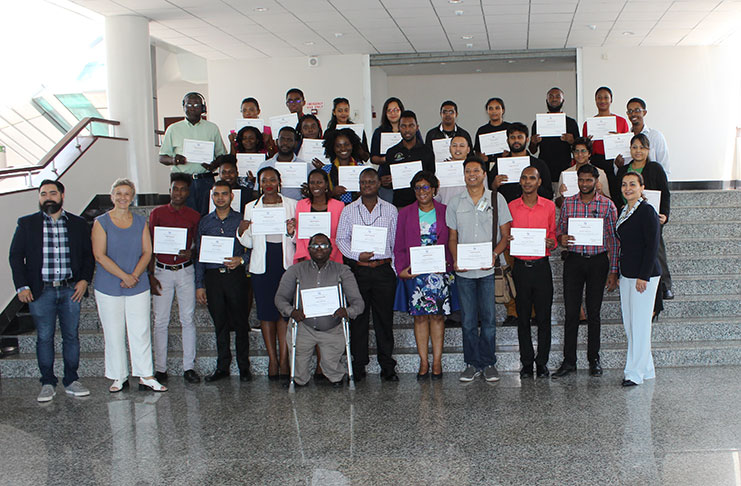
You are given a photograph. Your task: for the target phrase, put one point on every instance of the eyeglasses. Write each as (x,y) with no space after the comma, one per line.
(422,188)
(448,112)
(637,110)
(319,246)
(293,102)
(193,105)
(393,110)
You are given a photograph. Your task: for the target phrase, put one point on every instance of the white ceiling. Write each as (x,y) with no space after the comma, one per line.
(249,29)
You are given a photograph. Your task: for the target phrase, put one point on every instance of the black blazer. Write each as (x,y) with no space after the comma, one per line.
(639,243)
(26,257)
(654,179)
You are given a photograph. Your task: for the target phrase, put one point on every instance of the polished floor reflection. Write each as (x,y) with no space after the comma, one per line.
(682,429)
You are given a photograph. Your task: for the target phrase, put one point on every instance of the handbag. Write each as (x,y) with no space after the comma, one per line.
(504,284)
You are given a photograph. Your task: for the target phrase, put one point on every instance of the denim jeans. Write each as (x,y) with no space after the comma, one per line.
(477,304)
(45,308)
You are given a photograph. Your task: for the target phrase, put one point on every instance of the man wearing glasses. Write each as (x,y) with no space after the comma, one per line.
(295,102)
(448,128)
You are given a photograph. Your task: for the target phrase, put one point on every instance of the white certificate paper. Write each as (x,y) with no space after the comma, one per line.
(349,176)
(235,205)
(527,242)
(586,231)
(441,149)
(368,238)
(512,167)
(320,302)
(249,122)
(280,121)
(601,126)
(402,174)
(617,144)
(312,149)
(216,249)
(169,241)
(450,174)
(198,151)
(427,259)
(388,140)
(310,224)
(653,198)
(550,124)
(493,143)
(249,163)
(571,180)
(292,174)
(474,256)
(355,127)
(268,221)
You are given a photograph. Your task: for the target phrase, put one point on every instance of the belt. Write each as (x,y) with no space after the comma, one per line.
(221,270)
(203,175)
(374,263)
(174,268)
(587,256)
(59,283)
(532,263)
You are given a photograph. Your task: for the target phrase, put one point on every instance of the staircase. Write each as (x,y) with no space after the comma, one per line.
(700,327)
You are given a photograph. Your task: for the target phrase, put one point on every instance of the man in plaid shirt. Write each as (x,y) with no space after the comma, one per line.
(593,266)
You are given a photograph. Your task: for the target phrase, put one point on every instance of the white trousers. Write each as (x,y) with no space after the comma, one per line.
(637,308)
(183,284)
(122,316)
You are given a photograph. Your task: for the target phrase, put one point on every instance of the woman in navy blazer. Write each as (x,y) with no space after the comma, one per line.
(639,232)
(427,297)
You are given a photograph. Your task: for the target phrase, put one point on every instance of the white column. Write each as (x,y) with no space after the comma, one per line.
(130,97)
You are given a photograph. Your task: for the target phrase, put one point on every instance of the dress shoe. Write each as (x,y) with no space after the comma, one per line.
(510,321)
(160,376)
(423,376)
(389,376)
(336,384)
(526,372)
(668,294)
(542,371)
(191,376)
(595,369)
(564,370)
(629,383)
(245,375)
(216,376)
(438,376)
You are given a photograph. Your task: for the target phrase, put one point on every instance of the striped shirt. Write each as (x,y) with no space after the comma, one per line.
(57,263)
(384,215)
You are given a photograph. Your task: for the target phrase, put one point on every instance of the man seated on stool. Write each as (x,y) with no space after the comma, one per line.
(325,331)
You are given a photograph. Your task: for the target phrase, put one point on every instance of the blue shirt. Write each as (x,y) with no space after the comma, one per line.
(212,225)
(124,247)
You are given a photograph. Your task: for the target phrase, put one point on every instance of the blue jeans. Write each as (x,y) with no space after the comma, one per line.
(45,308)
(476,296)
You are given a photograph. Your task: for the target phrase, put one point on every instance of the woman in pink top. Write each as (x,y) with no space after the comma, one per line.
(318,201)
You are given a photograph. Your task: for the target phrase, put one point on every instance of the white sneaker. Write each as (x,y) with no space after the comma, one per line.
(47,393)
(76,389)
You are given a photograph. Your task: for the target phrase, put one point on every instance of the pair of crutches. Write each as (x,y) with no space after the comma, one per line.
(345,332)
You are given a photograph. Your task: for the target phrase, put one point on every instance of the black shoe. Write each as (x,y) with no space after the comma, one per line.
(629,383)
(542,371)
(358,374)
(285,377)
(9,351)
(510,321)
(273,377)
(438,376)
(595,369)
(564,370)
(389,376)
(190,376)
(526,372)
(245,375)
(160,376)
(336,384)
(668,294)
(216,376)
(423,376)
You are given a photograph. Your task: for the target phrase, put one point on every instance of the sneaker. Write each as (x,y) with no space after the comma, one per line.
(47,393)
(491,373)
(76,389)
(469,374)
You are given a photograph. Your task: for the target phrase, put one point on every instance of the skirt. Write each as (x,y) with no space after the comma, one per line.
(427,294)
(265,285)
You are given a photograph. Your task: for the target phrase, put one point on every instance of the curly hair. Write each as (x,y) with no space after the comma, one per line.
(331,137)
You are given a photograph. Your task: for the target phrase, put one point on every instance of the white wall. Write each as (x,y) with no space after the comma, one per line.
(379,93)
(692,97)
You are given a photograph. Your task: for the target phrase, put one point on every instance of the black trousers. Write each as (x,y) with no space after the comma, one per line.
(378,287)
(534,286)
(666,277)
(226,294)
(578,272)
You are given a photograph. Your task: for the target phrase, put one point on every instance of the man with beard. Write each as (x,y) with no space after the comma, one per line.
(555,151)
(51,258)
(226,169)
(287,139)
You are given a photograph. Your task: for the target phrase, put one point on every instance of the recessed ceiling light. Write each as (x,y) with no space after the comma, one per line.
(458,13)
(455,2)
(466,37)
(309,43)
(511,61)
(338,34)
(627,32)
(260,9)
(542,60)
(469,45)
(443,63)
(478,70)
(592,26)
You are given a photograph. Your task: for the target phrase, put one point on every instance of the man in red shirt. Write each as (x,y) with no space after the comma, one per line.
(532,270)
(171,273)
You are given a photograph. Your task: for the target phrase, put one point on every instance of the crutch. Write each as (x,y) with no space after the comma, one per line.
(346,332)
(294,331)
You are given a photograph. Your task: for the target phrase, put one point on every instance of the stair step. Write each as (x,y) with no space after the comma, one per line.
(719,198)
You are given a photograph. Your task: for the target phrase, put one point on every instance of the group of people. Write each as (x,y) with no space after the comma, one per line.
(375,231)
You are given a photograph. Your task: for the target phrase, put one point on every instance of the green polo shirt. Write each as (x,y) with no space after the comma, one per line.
(204,130)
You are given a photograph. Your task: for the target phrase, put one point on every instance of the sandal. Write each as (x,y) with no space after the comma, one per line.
(151,384)
(118,385)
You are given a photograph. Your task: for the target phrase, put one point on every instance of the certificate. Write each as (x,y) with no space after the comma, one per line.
(493,143)
(388,140)
(570,179)
(586,231)
(450,174)
(355,127)
(600,126)
(249,163)
(249,122)
(278,122)
(310,224)
(169,241)
(292,174)
(402,174)
(235,205)
(349,176)
(474,256)
(617,144)
(441,149)
(312,149)
(268,221)
(198,151)
(512,167)
(320,302)
(427,259)
(527,242)
(368,238)
(216,249)
(550,124)
(653,198)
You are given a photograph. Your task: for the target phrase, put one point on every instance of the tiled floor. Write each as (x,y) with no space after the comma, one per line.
(682,429)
